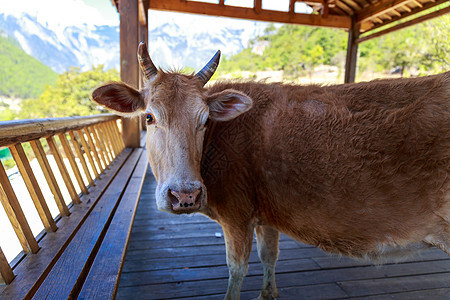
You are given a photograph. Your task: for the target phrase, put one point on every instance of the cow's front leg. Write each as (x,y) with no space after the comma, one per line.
(238,240)
(267,241)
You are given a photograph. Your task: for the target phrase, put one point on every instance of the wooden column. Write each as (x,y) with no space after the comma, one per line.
(352,53)
(143,30)
(129,68)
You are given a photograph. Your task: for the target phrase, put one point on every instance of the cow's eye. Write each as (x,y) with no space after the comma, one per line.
(207,122)
(150,119)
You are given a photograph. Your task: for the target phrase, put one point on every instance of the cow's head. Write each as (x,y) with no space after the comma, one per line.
(177,109)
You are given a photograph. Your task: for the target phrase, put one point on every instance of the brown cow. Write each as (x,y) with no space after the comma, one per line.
(356,169)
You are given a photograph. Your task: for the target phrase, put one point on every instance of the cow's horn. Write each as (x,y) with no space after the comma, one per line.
(145,62)
(205,74)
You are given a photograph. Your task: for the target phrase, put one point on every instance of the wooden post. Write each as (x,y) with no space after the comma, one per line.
(129,68)
(143,37)
(352,52)
(6,273)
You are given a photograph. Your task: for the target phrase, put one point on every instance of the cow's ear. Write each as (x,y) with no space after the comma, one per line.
(228,104)
(120,98)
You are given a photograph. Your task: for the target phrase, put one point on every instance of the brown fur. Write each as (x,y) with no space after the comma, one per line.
(358,169)
(371,169)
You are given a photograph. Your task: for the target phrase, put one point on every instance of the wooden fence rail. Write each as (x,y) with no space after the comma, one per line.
(89,144)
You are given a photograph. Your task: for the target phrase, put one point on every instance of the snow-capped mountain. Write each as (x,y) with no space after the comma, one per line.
(170,45)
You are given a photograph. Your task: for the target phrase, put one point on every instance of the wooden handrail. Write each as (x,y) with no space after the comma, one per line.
(19,131)
(91,137)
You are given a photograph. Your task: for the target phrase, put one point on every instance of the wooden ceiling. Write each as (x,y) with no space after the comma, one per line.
(365,15)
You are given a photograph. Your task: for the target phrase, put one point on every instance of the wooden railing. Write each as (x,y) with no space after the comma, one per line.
(89,144)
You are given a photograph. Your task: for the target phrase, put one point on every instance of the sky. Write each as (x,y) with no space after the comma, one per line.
(102,12)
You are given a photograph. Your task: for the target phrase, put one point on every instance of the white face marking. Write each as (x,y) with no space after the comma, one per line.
(174,149)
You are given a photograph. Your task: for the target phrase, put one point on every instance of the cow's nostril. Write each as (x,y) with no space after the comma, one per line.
(185,199)
(173,198)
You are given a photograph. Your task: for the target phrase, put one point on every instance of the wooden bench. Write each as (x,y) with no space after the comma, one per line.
(84,256)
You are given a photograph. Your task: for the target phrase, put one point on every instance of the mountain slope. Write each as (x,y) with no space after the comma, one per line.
(22,76)
(84,46)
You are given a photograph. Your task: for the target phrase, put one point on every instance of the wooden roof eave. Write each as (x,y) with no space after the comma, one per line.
(367,26)
(336,21)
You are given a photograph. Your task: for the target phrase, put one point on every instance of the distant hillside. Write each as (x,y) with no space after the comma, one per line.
(21,76)
(417,50)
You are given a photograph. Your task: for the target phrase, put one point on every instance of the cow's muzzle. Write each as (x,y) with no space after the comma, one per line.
(181,197)
(185,201)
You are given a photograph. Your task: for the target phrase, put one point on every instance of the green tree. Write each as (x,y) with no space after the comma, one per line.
(21,76)
(70,95)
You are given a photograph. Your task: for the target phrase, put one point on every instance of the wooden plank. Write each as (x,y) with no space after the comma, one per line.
(33,187)
(168,252)
(118,136)
(320,291)
(93,148)
(19,131)
(334,261)
(352,54)
(67,275)
(292,6)
(112,139)
(104,139)
(443,293)
(209,272)
(87,150)
(72,162)
(250,13)
(6,273)
(421,19)
(15,214)
(142,14)
(129,67)
(36,267)
(182,284)
(378,8)
(194,260)
(98,137)
(103,278)
(257,6)
(342,5)
(385,286)
(49,176)
(62,169)
(80,156)
(98,146)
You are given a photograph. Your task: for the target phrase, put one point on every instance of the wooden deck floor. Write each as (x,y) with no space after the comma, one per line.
(181,257)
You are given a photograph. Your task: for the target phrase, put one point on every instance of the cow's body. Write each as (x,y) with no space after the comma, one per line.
(351,169)
(360,169)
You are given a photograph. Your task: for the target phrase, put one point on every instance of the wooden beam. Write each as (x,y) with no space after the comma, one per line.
(379,8)
(15,214)
(142,14)
(417,3)
(6,273)
(257,6)
(352,53)
(143,37)
(49,176)
(410,12)
(250,13)
(19,131)
(325,9)
(129,68)
(421,19)
(32,185)
(292,6)
(345,7)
